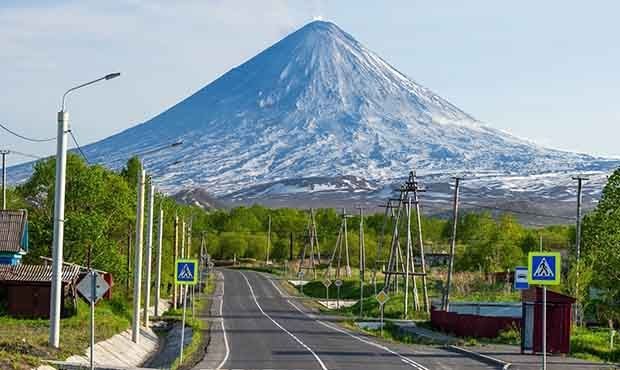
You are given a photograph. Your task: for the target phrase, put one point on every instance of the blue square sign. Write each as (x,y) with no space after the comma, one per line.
(185,272)
(544,268)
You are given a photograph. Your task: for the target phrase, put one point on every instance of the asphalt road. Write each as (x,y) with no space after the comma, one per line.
(265,329)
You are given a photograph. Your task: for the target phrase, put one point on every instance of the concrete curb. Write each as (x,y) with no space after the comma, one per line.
(479,356)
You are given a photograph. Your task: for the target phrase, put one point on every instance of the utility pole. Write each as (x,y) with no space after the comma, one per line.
(362,258)
(128,257)
(137,271)
(160,240)
(455,211)
(268,239)
(290,247)
(175,290)
(416,201)
(149,253)
(4,153)
(346,243)
(579,180)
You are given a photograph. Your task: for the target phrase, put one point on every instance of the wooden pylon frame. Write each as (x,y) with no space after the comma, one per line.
(342,245)
(311,247)
(403,264)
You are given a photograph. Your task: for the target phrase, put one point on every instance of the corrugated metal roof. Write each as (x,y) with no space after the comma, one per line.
(36,273)
(12,227)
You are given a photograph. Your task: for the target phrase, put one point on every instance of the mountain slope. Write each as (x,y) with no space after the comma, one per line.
(320,104)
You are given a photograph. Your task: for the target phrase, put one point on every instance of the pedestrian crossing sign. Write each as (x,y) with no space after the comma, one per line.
(544,268)
(186,272)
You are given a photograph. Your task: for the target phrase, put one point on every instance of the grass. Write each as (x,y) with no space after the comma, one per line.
(23,342)
(593,344)
(192,353)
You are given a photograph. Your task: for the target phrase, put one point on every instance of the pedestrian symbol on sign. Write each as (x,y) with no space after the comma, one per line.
(543,270)
(185,272)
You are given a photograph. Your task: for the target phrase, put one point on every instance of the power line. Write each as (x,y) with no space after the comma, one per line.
(25,137)
(33,156)
(78,147)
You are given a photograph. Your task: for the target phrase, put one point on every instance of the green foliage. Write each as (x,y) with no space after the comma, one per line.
(600,240)
(594,344)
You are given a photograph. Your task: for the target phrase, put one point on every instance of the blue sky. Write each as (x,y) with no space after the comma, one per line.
(546,71)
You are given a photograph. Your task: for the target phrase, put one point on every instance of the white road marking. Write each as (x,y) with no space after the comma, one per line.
(223,327)
(406,360)
(275,286)
(318,359)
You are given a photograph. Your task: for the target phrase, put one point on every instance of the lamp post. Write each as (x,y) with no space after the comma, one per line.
(59,213)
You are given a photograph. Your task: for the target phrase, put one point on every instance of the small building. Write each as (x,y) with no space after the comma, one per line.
(26,289)
(13,236)
(559,308)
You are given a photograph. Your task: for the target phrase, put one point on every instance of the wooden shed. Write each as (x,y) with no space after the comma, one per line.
(26,289)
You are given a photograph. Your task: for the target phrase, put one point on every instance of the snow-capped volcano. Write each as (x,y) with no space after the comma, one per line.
(320,104)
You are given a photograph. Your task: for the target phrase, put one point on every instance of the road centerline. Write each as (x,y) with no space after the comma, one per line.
(318,359)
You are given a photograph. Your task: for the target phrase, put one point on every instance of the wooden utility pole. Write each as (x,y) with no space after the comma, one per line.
(362,245)
(455,211)
(416,201)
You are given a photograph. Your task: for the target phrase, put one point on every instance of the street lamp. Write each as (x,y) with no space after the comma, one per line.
(59,213)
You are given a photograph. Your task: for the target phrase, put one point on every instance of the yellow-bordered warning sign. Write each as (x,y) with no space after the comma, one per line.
(544,268)
(186,272)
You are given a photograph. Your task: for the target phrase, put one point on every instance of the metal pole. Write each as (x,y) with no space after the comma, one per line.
(337,297)
(183,324)
(268,241)
(544,324)
(362,261)
(578,244)
(59,219)
(149,252)
(137,270)
(128,258)
(175,290)
(381,319)
(160,240)
(455,211)
(93,294)
(4,153)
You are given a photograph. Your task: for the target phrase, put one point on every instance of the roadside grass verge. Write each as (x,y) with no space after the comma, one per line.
(594,344)
(23,342)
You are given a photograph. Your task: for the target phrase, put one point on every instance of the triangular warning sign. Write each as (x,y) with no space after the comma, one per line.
(186,273)
(543,269)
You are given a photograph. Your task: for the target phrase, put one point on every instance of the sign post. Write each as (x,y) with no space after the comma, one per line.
(92,287)
(327,283)
(185,273)
(338,284)
(382,297)
(301,281)
(544,269)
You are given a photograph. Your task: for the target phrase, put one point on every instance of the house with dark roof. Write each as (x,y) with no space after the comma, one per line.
(25,289)
(13,236)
